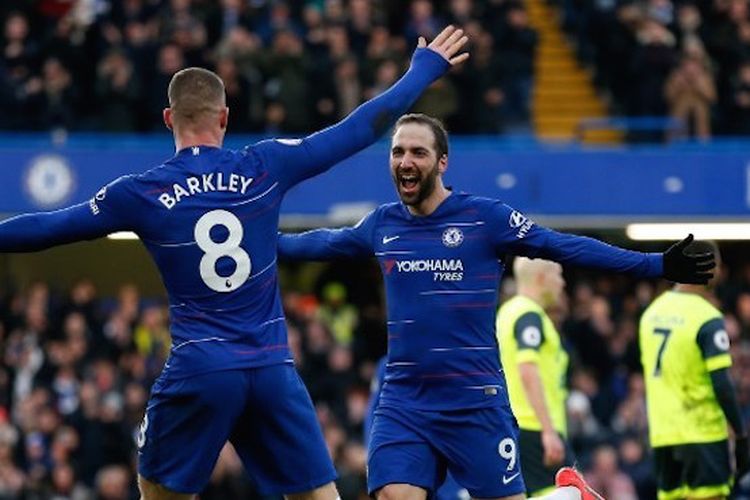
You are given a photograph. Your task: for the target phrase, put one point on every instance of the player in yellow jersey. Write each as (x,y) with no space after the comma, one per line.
(535,365)
(685,356)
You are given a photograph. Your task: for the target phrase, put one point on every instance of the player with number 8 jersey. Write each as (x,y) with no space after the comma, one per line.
(209,218)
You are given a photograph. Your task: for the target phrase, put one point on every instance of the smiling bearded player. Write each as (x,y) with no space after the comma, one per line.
(444,405)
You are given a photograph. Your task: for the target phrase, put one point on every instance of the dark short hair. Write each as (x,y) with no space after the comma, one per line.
(436,126)
(195,92)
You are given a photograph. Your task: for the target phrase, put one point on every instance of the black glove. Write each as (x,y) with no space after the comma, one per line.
(741,457)
(682,268)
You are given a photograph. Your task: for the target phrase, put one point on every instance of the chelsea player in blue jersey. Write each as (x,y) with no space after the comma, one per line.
(209,218)
(443,406)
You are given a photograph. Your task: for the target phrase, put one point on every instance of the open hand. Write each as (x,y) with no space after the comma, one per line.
(554,449)
(447,44)
(683,268)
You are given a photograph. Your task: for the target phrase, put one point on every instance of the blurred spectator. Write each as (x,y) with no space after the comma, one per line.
(348,88)
(481,108)
(118,93)
(12,479)
(638,466)
(113,483)
(339,317)
(238,95)
(606,477)
(690,92)
(516,44)
(170,60)
(287,90)
(422,21)
(152,338)
(230,15)
(739,111)
(181,26)
(228,479)
(653,60)
(65,485)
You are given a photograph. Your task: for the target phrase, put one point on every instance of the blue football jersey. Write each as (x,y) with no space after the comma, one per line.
(441,275)
(209,218)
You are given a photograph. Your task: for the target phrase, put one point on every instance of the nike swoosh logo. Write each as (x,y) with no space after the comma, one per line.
(388,239)
(506,479)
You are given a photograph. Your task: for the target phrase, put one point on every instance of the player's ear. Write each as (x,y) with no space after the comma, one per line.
(224,118)
(443,164)
(541,280)
(167,115)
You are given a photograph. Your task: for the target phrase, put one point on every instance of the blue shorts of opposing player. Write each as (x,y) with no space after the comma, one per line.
(267,415)
(478,446)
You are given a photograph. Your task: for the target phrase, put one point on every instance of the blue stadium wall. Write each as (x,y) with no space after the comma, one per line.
(564,185)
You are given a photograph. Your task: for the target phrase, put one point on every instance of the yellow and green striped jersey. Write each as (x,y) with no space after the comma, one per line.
(682,339)
(526,334)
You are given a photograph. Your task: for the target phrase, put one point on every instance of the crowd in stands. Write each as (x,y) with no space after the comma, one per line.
(77,367)
(293,67)
(289,66)
(685,58)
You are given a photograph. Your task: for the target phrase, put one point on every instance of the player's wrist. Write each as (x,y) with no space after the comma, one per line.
(549,431)
(428,64)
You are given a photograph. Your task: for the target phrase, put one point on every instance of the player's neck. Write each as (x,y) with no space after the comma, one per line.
(694,289)
(188,138)
(530,293)
(430,204)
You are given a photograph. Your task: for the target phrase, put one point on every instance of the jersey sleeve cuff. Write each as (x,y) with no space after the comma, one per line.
(655,265)
(718,362)
(527,356)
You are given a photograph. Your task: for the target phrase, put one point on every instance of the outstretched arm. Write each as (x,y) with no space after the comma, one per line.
(524,237)
(323,244)
(673,264)
(105,213)
(294,160)
(33,232)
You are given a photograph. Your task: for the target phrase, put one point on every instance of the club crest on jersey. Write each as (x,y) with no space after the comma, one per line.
(519,221)
(452,237)
(516,219)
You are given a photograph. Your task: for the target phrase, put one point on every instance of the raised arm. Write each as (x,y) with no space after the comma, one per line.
(294,160)
(524,237)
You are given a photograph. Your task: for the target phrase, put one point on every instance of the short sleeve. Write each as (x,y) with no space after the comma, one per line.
(528,332)
(713,341)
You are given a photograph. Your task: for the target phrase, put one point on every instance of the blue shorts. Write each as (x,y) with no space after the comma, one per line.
(479,447)
(265,412)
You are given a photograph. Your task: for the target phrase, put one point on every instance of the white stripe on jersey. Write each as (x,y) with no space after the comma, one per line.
(457,292)
(207,339)
(269,266)
(463,224)
(172,245)
(470,348)
(261,195)
(274,320)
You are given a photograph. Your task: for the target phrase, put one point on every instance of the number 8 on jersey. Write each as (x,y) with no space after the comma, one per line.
(213,251)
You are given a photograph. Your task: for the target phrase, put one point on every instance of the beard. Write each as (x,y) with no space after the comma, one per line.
(425,186)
